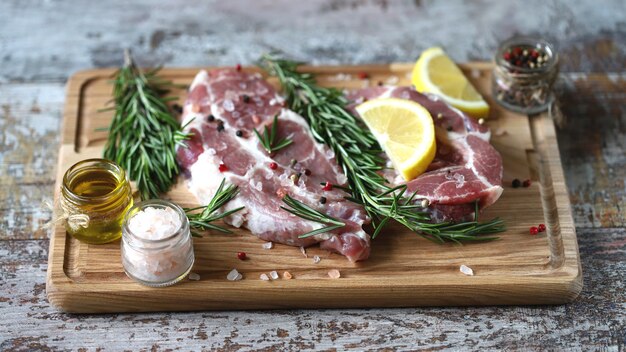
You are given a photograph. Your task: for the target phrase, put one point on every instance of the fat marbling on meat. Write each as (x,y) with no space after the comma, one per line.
(221,111)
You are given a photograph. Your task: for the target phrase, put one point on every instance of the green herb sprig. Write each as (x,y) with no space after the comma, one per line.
(143,134)
(268,138)
(304,211)
(358,153)
(203,220)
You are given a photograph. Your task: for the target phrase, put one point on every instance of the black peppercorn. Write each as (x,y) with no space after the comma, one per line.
(307,172)
(210,118)
(239,133)
(323,200)
(177,108)
(220,127)
(246,99)
(516,183)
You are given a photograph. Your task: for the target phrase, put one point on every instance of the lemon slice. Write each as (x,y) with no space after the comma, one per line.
(434,72)
(405,130)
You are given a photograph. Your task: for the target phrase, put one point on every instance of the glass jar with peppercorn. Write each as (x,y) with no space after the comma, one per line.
(525,71)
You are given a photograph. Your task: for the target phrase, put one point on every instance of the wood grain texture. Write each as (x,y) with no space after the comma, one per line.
(39,42)
(403,269)
(44,42)
(594,139)
(595,321)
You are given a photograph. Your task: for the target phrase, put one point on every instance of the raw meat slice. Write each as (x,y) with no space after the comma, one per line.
(222,108)
(466,167)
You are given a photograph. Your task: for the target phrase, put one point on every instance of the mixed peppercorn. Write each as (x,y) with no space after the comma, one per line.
(526,57)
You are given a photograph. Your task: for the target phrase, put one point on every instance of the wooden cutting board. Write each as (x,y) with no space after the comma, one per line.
(403,270)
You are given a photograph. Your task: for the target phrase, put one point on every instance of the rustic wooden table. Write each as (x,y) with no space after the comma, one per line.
(43,42)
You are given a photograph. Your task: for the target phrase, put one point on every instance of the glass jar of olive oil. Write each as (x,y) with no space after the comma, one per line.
(95,194)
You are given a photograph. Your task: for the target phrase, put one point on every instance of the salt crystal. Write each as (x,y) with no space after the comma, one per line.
(194,276)
(211,151)
(460,180)
(316,259)
(232,275)
(467,270)
(268,245)
(392,80)
(261,89)
(228,105)
(239,277)
(500,132)
(155,223)
(274,275)
(303,251)
(334,274)
(264,277)
(287,275)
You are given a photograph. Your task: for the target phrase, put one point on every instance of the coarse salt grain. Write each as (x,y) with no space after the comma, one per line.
(303,251)
(268,245)
(274,275)
(287,275)
(500,132)
(316,259)
(155,223)
(264,277)
(466,270)
(234,275)
(334,274)
(194,277)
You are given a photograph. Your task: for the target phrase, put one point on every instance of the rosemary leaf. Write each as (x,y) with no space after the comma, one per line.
(143,134)
(268,138)
(202,220)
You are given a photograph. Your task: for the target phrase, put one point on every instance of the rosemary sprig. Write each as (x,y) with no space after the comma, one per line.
(358,153)
(304,211)
(143,133)
(268,138)
(203,220)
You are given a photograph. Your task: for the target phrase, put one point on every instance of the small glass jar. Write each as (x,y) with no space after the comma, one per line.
(156,259)
(525,70)
(95,196)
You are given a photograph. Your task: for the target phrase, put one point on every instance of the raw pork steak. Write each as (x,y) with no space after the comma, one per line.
(223,107)
(466,167)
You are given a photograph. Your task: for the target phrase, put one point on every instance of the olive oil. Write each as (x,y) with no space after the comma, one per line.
(96,196)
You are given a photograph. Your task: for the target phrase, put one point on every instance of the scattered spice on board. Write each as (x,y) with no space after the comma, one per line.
(194,277)
(264,277)
(541,228)
(274,275)
(268,245)
(287,275)
(317,259)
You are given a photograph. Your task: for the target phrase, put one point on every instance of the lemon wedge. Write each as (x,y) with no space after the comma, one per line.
(405,130)
(434,72)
